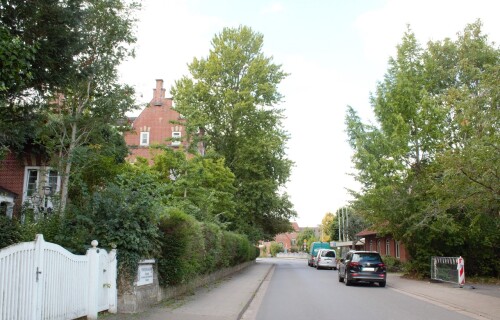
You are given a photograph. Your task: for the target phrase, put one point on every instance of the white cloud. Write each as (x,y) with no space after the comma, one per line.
(383,28)
(273,8)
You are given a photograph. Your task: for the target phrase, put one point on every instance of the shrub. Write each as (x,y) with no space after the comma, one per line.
(10,232)
(182,248)
(393,264)
(275,248)
(212,235)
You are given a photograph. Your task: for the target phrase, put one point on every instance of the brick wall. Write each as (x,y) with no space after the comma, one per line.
(374,243)
(156,119)
(12,177)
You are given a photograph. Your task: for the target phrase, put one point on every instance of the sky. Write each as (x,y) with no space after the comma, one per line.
(335,52)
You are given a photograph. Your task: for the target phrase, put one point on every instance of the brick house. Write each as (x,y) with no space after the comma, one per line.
(286,240)
(385,245)
(158,124)
(27,179)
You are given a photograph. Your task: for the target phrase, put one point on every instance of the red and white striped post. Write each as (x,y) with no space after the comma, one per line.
(461,271)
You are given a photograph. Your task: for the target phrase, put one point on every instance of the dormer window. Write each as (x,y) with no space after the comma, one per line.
(176,138)
(144,139)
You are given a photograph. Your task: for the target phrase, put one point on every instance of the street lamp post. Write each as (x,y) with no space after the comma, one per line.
(41,202)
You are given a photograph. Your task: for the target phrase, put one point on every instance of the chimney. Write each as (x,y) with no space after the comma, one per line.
(158,93)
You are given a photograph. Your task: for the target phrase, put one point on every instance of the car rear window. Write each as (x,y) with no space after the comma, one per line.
(329,254)
(366,257)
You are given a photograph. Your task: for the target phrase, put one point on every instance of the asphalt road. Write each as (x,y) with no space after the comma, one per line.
(295,291)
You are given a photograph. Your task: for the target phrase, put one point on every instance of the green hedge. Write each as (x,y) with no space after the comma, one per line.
(10,231)
(190,248)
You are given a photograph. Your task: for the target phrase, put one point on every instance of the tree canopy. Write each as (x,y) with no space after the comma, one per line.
(231,97)
(429,165)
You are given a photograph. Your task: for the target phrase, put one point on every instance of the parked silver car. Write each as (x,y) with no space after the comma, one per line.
(326,259)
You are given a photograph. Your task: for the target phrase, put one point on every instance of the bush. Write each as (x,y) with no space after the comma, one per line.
(212,235)
(275,248)
(393,264)
(10,232)
(182,248)
(190,248)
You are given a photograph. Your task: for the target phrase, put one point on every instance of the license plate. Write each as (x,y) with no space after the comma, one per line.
(368,269)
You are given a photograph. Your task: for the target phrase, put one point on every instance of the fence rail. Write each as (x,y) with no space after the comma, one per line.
(448,269)
(42,280)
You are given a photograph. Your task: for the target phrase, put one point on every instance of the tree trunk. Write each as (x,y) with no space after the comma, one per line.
(67,169)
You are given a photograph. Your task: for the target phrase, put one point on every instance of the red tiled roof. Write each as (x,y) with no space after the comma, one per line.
(365,232)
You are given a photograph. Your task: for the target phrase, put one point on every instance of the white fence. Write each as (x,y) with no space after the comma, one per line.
(42,280)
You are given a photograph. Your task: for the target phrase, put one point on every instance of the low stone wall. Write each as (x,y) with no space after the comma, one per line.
(142,297)
(295,255)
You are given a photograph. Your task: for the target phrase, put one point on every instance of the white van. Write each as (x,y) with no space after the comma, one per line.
(326,259)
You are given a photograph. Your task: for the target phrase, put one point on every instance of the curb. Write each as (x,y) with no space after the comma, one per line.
(245,307)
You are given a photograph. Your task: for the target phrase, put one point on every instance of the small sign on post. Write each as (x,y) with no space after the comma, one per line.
(145,273)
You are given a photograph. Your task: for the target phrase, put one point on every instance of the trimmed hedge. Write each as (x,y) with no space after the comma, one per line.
(190,248)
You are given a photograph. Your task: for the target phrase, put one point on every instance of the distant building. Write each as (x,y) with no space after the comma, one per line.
(157,125)
(385,245)
(287,240)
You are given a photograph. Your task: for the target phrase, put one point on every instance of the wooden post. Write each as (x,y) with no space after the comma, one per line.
(112,275)
(93,299)
(38,275)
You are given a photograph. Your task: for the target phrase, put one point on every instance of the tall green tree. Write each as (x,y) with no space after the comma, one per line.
(200,186)
(38,41)
(428,166)
(231,98)
(91,99)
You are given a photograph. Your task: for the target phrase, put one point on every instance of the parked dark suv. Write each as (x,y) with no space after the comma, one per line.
(362,266)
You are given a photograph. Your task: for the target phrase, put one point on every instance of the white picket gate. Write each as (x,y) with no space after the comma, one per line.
(42,280)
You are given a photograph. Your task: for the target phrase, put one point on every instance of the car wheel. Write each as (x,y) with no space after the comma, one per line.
(381,284)
(346,280)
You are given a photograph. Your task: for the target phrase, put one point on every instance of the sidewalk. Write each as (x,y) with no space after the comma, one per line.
(225,300)
(475,301)
(228,300)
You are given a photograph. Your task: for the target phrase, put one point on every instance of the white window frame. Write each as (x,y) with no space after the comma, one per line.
(42,179)
(387,247)
(176,138)
(144,136)
(379,246)
(398,253)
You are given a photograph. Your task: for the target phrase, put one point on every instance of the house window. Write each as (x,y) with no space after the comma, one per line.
(387,247)
(32,183)
(371,245)
(379,246)
(144,139)
(397,249)
(294,242)
(176,138)
(36,178)
(3,208)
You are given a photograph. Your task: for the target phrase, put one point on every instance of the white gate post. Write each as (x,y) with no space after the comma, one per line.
(38,288)
(93,299)
(112,275)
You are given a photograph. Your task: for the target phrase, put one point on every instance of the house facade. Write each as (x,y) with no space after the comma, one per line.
(385,245)
(157,125)
(286,240)
(27,179)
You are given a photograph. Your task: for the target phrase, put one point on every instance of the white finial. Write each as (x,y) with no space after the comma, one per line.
(94,243)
